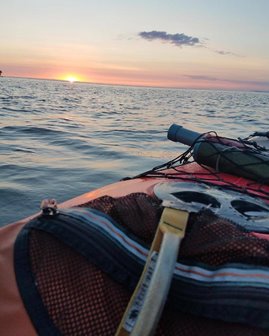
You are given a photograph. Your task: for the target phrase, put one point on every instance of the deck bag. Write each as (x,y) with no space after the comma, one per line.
(76,271)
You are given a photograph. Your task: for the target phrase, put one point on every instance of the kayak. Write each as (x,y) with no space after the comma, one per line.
(180,249)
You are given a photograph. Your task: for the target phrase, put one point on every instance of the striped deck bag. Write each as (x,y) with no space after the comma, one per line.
(76,271)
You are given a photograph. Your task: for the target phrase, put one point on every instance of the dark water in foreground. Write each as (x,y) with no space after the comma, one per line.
(60,139)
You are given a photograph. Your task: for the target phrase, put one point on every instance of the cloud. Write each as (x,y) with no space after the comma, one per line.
(201,77)
(224,53)
(232,81)
(178,40)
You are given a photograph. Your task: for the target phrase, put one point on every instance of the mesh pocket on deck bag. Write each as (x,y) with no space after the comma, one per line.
(76,271)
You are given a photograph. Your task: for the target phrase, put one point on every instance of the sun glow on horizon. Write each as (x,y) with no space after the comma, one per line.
(71,79)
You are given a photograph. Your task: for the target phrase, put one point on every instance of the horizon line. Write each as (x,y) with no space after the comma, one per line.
(137,85)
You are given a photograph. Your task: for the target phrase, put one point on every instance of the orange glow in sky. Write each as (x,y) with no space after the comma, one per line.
(214,45)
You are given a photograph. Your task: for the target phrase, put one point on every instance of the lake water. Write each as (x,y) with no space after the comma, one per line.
(59,139)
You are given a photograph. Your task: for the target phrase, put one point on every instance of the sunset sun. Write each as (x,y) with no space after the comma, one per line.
(71,79)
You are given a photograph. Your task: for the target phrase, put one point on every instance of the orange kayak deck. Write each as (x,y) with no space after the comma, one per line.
(13,317)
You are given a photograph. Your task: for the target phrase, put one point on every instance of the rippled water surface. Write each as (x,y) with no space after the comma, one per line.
(60,139)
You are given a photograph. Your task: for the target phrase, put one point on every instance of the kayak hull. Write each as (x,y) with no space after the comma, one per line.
(13,317)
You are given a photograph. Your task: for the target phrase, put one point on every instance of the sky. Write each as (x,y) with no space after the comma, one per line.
(200,44)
